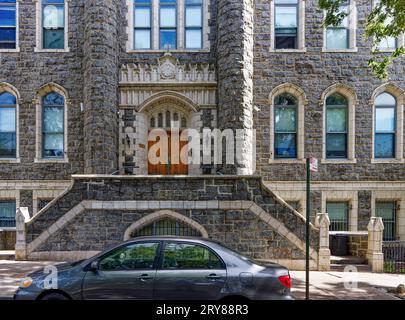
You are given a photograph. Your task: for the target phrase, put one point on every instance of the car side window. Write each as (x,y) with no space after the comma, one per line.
(189,256)
(140,256)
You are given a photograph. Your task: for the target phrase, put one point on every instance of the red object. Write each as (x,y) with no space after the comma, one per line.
(286,281)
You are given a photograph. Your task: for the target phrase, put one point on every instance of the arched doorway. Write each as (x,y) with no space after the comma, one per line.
(174,114)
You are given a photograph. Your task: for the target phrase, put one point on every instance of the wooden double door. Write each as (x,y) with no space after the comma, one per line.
(173,148)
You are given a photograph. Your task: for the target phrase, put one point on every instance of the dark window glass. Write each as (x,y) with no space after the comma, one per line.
(336,126)
(167,227)
(8,137)
(339,215)
(285,123)
(42,203)
(139,256)
(7,214)
(385,126)
(286,24)
(189,256)
(53,24)
(53,126)
(296,205)
(168,24)
(387,211)
(193,23)
(8,24)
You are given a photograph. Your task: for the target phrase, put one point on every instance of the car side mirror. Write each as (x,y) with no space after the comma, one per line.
(94,266)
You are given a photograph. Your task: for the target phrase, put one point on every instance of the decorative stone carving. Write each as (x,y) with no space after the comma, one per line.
(167,69)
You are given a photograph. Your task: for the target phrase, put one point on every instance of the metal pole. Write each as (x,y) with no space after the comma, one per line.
(307,229)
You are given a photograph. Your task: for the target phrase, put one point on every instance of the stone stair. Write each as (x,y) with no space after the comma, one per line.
(7,255)
(339,263)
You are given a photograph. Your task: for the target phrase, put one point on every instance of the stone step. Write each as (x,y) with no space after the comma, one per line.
(7,255)
(341,267)
(347,260)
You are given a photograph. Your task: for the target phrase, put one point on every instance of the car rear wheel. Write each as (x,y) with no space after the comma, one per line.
(54,296)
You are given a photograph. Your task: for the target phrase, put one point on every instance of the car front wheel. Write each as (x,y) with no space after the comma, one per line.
(54,296)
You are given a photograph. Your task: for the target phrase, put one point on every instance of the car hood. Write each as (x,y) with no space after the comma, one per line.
(61,267)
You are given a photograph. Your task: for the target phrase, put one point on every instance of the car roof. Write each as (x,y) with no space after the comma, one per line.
(175,238)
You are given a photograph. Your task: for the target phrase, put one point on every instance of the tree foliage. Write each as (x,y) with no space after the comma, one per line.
(387,19)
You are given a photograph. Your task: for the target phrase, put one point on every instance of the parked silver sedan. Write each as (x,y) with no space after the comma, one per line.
(161,268)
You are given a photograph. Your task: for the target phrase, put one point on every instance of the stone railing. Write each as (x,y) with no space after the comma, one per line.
(375,254)
(239,211)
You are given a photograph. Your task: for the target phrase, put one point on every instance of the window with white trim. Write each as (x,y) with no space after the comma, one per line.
(385,126)
(287,25)
(168,24)
(336,127)
(8,126)
(53,127)
(343,36)
(388,43)
(7,213)
(285,126)
(193,24)
(143,24)
(8,24)
(161,25)
(52,27)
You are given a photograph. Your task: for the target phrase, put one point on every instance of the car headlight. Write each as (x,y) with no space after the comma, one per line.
(26,283)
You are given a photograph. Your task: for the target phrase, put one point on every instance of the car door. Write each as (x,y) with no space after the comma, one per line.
(189,271)
(127,272)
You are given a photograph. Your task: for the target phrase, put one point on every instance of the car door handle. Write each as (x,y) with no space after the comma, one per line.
(213,276)
(145,277)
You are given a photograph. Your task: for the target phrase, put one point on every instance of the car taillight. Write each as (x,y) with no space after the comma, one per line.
(285,281)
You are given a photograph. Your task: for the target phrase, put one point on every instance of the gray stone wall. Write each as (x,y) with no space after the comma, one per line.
(28,71)
(314,72)
(235,74)
(100,64)
(242,229)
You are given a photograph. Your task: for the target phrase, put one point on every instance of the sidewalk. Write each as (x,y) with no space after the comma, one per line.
(324,285)
(330,285)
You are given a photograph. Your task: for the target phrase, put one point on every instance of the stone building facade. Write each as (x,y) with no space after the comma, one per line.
(116,84)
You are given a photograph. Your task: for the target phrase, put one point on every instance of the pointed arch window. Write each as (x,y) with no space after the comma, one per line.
(385,126)
(337,127)
(8,125)
(286,126)
(53,126)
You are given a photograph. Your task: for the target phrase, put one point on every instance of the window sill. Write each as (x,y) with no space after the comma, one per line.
(16,50)
(302,50)
(338,161)
(377,161)
(39,50)
(352,50)
(287,161)
(10,161)
(8,229)
(164,51)
(37,160)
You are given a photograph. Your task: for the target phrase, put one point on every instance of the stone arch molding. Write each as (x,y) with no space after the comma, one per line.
(341,88)
(390,88)
(171,97)
(288,88)
(7,87)
(51,87)
(143,222)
